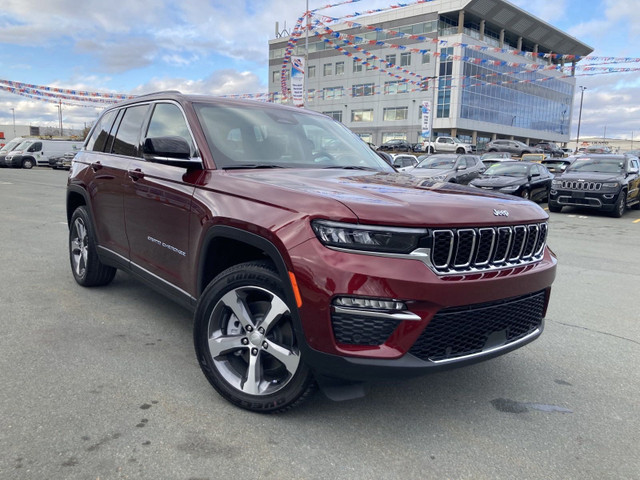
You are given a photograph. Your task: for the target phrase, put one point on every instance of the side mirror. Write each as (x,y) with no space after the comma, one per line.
(461,167)
(170,150)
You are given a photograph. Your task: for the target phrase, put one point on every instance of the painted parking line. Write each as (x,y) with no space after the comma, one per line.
(637,221)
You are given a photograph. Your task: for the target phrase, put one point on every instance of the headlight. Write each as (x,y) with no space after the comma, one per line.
(368,237)
(510,188)
(610,185)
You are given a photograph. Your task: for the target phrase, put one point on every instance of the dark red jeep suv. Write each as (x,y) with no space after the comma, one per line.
(305,257)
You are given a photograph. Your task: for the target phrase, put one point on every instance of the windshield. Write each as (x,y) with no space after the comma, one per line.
(11,145)
(511,169)
(441,162)
(598,165)
(261,136)
(24,145)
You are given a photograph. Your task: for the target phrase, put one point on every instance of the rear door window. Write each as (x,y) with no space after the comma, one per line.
(127,140)
(100,133)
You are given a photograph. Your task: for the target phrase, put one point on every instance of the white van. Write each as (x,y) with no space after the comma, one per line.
(34,151)
(9,147)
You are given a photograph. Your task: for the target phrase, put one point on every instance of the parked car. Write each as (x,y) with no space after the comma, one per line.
(303,266)
(32,152)
(559,165)
(449,167)
(514,147)
(533,157)
(597,149)
(551,149)
(523,179)
(492,158)
(385,156)
(396,146)
(610,183)
(403,161)
(418,147)
(8,148)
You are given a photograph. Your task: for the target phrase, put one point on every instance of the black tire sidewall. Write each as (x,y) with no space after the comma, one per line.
(95,273)
(259,274)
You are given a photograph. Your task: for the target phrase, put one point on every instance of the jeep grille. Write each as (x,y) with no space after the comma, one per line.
(481,249)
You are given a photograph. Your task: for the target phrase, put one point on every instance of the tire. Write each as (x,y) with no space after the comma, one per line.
(431,150)
(86,267)
(525,194)
(621,205)
(254,368)
(28,163)
(554,208)
(461,150)
(525,152)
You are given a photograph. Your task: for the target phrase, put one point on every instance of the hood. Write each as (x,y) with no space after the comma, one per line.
(430,172)
(384,198)
(590,176)
(498,181)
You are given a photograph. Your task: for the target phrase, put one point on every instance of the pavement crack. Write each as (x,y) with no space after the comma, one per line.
(595,331)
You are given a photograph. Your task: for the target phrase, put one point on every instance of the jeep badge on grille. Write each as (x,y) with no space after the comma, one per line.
(500,213)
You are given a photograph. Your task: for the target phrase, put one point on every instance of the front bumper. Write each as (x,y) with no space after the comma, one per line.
(441,331)
(601,200)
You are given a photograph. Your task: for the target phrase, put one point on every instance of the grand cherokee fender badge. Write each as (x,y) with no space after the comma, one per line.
(500,213)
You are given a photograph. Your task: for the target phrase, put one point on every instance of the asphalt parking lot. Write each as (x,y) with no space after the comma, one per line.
(103,383)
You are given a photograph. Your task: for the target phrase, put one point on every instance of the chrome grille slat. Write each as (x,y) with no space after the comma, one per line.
(576,185)
(485,249)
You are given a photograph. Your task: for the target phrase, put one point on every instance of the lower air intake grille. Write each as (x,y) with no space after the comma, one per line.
(461,331)
(355,330)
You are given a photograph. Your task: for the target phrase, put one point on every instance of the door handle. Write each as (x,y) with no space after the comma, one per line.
(95,166)
(136,174)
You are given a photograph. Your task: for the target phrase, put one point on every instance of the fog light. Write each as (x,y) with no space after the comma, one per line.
(369,303)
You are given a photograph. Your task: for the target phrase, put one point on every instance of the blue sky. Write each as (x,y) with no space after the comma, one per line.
(216,47)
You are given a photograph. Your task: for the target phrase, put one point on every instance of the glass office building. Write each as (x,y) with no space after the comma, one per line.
(489,69)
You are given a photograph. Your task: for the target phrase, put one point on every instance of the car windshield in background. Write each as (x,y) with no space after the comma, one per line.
(512,169)
(256,137)
(597,165)
(440,162)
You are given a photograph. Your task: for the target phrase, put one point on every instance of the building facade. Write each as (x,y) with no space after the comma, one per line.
(486,68)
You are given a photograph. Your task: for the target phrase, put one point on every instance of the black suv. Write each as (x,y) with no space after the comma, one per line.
(605,182)
(551,149)
(396,146)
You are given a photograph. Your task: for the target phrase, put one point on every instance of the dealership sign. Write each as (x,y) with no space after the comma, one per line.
(297,81)
(426,119)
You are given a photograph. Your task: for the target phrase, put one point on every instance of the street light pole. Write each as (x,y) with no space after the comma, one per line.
(60,114)
(13,110)
(582,89)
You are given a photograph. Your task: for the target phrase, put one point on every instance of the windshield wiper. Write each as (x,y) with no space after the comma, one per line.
(353,167)
(250,166)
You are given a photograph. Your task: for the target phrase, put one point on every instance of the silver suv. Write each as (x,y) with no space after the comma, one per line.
(514,147)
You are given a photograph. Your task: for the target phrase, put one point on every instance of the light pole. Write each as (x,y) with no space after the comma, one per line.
(13,110)
(582,89)
(60,115)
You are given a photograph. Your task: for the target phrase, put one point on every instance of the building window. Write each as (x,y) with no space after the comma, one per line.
(370,63)
(357,66)
(395,113)
(366,137)
(327,69)
(362,115)
(312,71)
(391,88)
(330,93)
(362,90)
(339,68)
(390,59)
(336,115)
(405,59)
(275,76)
(426,57)
(393,136)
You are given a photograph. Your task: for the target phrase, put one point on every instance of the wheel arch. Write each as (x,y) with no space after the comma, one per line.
(75,198)
(237,246)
